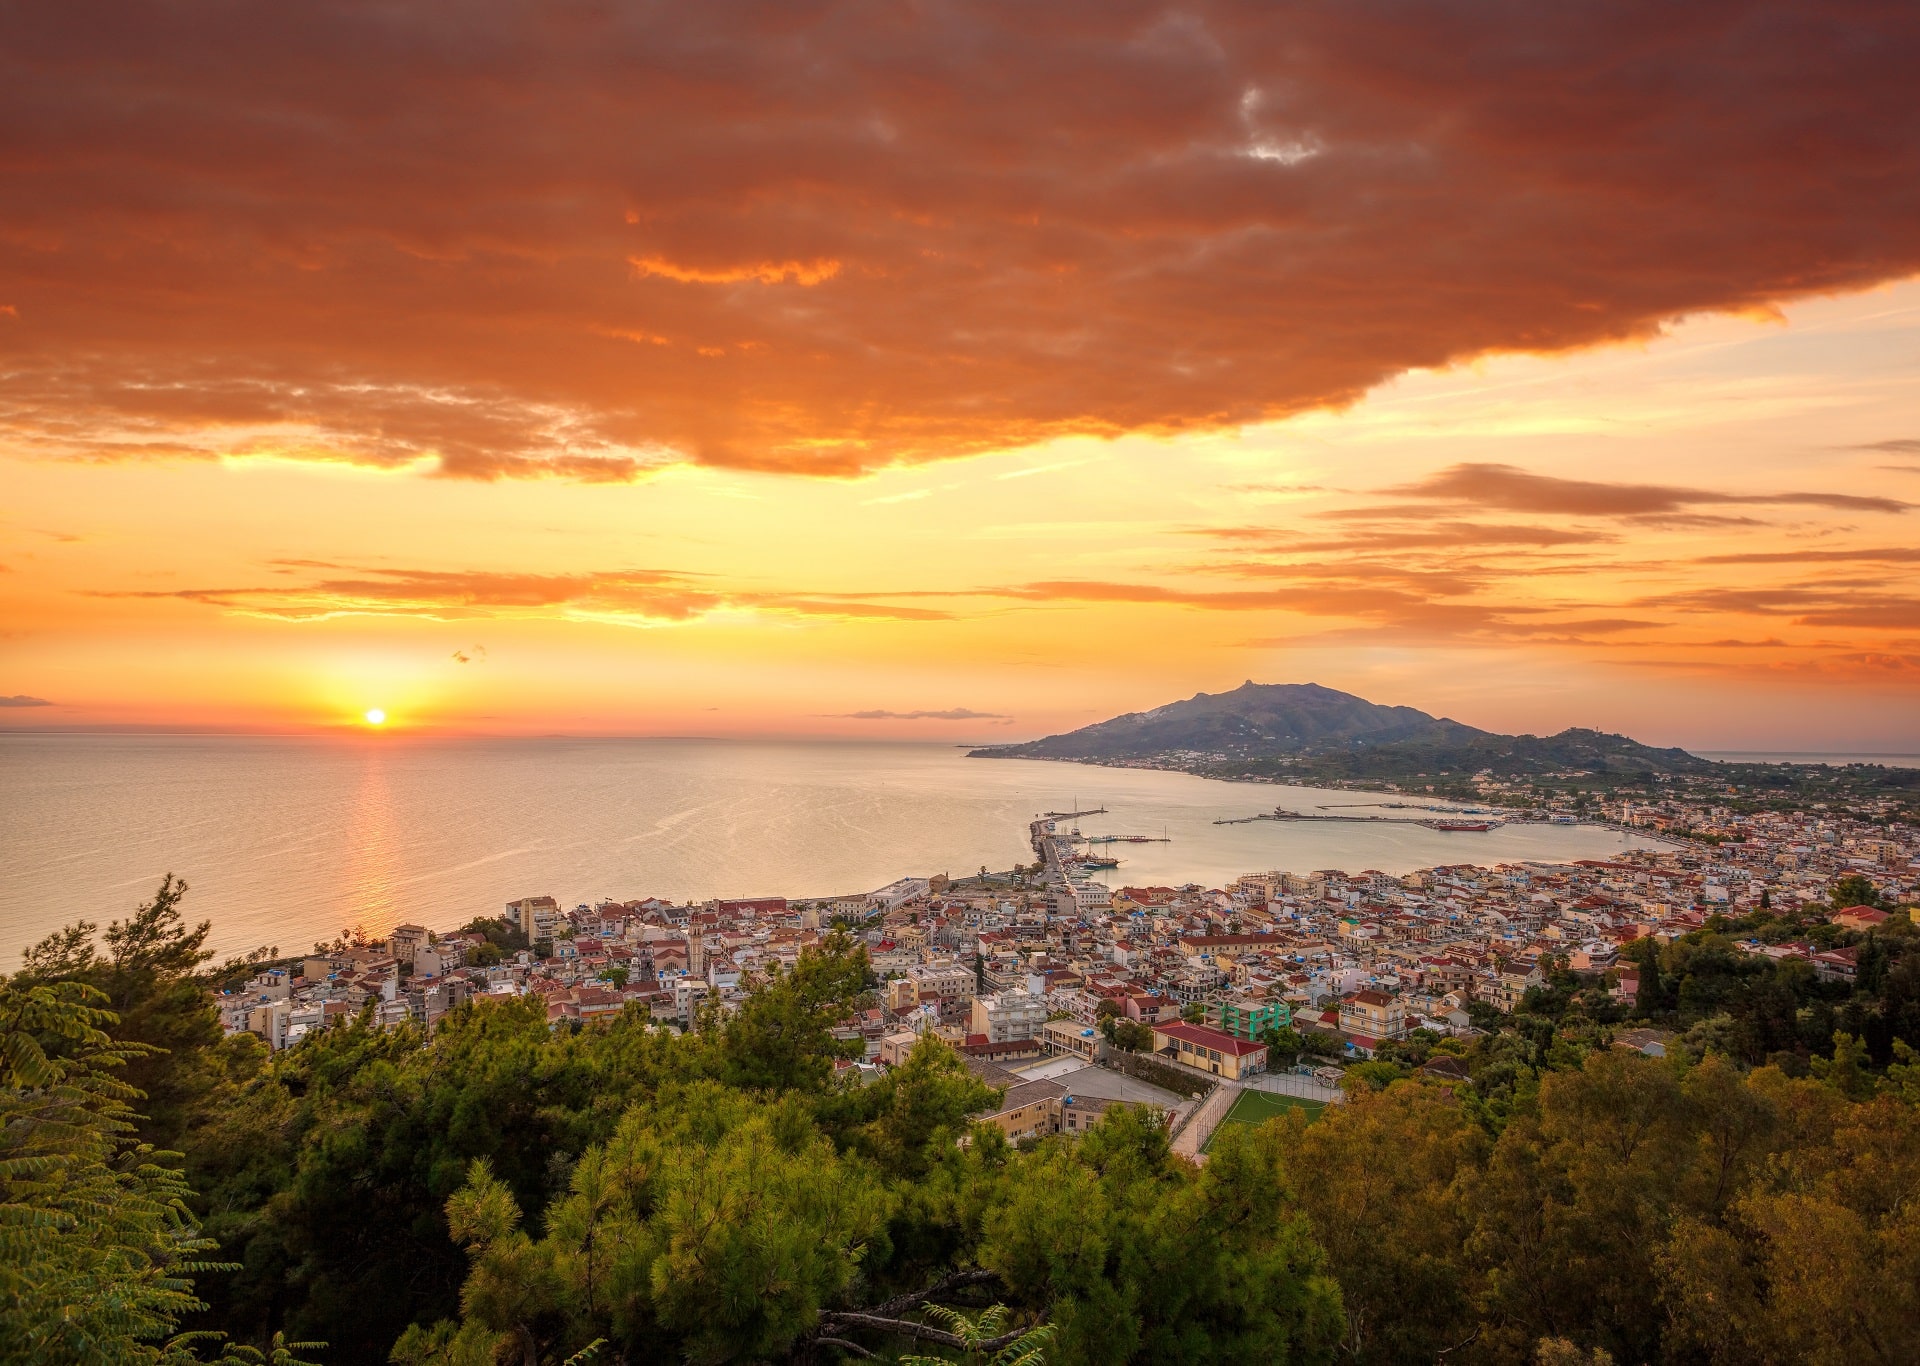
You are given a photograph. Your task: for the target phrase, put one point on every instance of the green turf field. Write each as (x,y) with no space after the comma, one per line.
(1254,1107)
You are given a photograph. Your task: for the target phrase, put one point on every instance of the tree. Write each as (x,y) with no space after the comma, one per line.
(1817,1261)
(1855,889)
(920,1108)
(781,1037)
(1141,1258)
(503,934)
(99,1246)
(722,1223)
(362,1118)
(238,968)
(1847,1071)
(350,937)
(149,977)
(1372,1075)
(1652,995)
(1283,1048)
(1320,1044)
(986,1335)
(1379,1177)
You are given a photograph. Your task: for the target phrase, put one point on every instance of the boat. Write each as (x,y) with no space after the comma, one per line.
(1477,826)
(1098,861)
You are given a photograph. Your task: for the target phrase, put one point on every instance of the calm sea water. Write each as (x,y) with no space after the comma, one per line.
(286,840)
(1743,756)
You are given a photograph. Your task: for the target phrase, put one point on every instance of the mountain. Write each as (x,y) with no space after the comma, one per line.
(1305,729)
(1253,719)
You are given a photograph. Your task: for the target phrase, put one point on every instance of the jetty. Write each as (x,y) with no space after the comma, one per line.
(1455,824)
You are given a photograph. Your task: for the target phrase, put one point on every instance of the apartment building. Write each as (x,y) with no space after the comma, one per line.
(1013,1014)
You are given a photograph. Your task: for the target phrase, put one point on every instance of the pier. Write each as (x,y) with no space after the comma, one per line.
(1464,824)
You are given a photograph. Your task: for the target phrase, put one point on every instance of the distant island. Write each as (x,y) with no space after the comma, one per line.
(1306,733)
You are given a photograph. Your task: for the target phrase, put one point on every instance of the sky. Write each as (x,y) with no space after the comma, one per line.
(960,371)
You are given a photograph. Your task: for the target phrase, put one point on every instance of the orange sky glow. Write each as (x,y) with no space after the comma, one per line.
(960,372)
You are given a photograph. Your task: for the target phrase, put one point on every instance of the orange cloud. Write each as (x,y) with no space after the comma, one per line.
(1828,604)
(766,272)
(412,235)
(1517,490)
(948,714)
(445,595)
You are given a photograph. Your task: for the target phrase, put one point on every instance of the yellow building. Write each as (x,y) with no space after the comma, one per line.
(1212,1051)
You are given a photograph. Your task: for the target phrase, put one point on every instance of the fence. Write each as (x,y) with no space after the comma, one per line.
(1292,1084)
(1169,1076)
(1186,1120)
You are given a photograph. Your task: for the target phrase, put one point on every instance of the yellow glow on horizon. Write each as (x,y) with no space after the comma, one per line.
(710,601)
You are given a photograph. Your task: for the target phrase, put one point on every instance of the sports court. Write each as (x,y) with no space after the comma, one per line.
(1256,1107)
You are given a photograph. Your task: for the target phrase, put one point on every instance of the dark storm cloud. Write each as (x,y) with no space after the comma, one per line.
(577,240)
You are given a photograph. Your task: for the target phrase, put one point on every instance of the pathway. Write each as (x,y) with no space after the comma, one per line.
(1196,1131)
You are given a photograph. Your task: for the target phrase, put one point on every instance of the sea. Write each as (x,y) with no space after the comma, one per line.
(1745,756)
(284,841)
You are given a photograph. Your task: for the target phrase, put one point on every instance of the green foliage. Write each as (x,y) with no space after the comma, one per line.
(1130,1035)
(1651,1210)
(363,1133)
(1373,1075)
(278,1351)
(1855,889)
(1318,1043)
(719,1223)
(984,1338)
(1378,1179)
(97,1247)
(506,1191)
(1284,1046)
(1759,1010)
(149,977)
(781,1037)
(238,968)
(917,1111)
(503,936)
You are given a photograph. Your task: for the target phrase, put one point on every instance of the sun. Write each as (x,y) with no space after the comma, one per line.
(376,717)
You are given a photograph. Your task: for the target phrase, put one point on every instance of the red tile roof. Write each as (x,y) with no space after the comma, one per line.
(1202,1037)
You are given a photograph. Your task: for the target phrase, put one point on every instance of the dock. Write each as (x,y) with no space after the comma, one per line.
(1466,824)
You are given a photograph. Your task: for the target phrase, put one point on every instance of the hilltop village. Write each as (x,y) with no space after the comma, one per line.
(1055,986)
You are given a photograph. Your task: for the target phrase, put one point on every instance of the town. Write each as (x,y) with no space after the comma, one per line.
(1071,996)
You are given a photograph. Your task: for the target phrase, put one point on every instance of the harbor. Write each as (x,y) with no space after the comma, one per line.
(1456,824)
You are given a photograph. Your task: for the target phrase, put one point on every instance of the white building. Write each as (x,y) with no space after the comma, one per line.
(1008,1017)
(897,894)
(1079,897)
